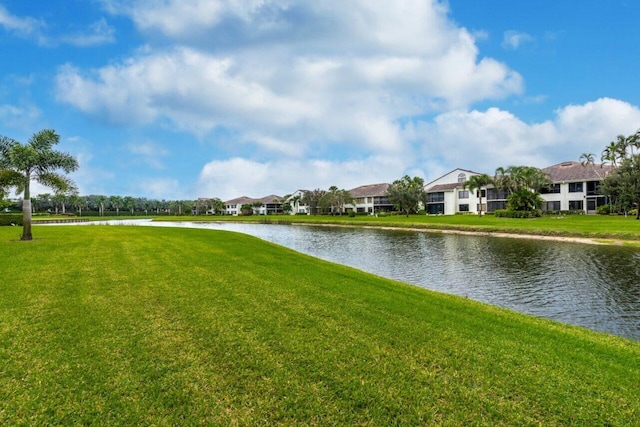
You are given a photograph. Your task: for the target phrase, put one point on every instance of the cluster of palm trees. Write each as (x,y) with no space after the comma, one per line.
(623,147)
(622,184)
(521,184)
(331,201)
(61,203)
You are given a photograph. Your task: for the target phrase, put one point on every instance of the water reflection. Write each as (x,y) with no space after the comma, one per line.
(591,286)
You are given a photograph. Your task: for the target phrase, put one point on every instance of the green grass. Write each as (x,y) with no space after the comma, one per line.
(587,226)
(153,326)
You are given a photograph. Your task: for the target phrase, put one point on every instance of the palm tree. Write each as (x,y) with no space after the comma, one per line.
(476,182)
(34,161)
(587,159)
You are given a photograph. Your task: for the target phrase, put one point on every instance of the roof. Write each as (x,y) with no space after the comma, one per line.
(248,200)
(371,190)
(452,171)
(444,187)
(269,199)
(576,171)
(240,201)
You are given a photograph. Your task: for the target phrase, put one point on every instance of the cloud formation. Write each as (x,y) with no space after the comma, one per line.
(292,93)
(514,39)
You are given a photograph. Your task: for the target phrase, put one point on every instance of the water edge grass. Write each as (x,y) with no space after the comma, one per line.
(614,227)
(133,325)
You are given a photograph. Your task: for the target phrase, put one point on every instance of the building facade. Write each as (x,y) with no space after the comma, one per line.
(371,199)
(575,187)
(447,195)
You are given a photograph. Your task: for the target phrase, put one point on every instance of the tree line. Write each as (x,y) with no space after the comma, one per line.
(622,184)
(38,161)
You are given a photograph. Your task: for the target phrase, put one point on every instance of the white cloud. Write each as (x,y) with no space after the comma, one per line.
(236,177)
(97,33)
(100,32)
(157,188)
(485,140)
(22,26)
(150,152)
(22,118)
(514,39)
(299,77)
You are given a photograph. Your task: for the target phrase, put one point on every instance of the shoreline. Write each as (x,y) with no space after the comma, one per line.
(500,234)
(601,241)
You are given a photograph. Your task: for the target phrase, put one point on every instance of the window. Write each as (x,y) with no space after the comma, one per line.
(435,197)
(575,187)
(492,206)
(463,194)
(461,178)
(553,189)
(463,208)
(552,206)
(482,193)
(493,194)
(593,188)
(576,205)
(435,208)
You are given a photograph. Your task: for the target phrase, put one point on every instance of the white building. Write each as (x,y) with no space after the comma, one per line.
(575,187)
(298,207)
(447,196)
(371,199)
(267,205)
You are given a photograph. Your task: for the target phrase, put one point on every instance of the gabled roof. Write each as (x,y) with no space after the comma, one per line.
(242,200)
(450,172)
(443,187)
(248,200)
(575,171)
(269,199)
(372,190)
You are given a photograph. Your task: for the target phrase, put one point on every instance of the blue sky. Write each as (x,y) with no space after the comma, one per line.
(179,99)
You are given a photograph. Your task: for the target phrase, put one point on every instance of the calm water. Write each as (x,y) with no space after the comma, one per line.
(597,287)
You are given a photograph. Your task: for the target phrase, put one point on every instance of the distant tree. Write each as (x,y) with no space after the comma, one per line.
(476,183)
(407,193)
(129,203)
(335,200)
(312,199)
(116,203)
(246,209)
(523,183)
(622,185)
(34,161)
(78,202)
(217,206)
(587,159)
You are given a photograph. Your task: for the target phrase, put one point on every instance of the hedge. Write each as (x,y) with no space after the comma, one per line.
(507,213)
(10,219)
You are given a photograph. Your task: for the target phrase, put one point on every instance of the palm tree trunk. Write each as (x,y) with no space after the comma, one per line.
(26,215)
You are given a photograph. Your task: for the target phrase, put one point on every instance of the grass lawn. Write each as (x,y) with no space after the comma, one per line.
(152,326)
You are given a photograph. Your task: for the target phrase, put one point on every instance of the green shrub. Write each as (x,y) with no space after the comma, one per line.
(508,213)
(10,219)
(564,213)
(603,210)
(352,214)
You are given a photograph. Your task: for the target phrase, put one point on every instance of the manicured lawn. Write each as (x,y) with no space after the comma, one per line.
(153,326)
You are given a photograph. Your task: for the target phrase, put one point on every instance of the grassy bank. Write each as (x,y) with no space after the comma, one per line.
(585,226)
(141,326)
